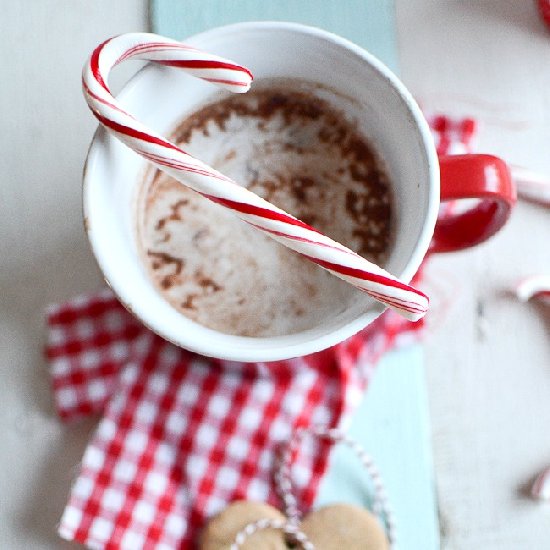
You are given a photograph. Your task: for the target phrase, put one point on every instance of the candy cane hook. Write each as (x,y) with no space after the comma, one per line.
(281,226)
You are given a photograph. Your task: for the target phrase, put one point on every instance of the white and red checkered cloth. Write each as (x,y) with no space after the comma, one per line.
(182,435)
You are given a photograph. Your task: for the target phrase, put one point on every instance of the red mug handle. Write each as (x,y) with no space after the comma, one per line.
(482,177)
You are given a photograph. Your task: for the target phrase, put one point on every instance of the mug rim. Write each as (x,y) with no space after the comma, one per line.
(251,349)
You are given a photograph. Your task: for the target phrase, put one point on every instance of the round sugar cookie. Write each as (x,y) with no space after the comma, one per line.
(340,526)
(221,530)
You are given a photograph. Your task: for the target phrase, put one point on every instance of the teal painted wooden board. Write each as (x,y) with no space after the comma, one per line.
(393,426)
(369,23)
(392,422)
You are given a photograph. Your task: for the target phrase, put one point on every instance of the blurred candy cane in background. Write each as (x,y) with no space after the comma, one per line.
(531,186)
(544,8)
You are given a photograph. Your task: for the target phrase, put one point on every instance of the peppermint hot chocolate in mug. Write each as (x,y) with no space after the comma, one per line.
(326,133)
(285,143)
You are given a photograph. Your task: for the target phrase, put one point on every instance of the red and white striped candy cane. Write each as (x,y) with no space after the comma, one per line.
(283,477)
(213,185)
(540,490)
(532,186)
(534,286)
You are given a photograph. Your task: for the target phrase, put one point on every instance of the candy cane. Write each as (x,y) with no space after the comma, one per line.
(273,221)
(540,490)
(532,186)
(534,286)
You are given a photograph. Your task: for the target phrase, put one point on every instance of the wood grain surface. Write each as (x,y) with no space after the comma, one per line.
(488,362)
(488,358)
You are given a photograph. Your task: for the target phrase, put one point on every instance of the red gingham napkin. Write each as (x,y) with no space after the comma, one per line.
(182,435)
(452,136)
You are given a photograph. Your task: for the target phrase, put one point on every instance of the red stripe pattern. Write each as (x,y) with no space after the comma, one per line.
(293,233)
(183,435)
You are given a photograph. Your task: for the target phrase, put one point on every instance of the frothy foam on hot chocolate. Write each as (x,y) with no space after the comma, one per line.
(299,153)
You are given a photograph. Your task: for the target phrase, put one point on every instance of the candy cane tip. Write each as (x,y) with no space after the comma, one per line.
(532,286)
(244,89)
(246,83)
(540,490)
(411,315)
(412,312)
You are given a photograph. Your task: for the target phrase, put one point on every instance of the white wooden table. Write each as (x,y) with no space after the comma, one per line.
(489,374)
(488,361)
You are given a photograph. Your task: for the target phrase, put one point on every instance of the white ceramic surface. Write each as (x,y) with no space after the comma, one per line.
(160,96)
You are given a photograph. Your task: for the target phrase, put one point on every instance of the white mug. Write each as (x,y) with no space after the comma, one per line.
(161,96)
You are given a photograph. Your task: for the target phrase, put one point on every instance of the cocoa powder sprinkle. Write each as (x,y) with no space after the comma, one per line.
(315,164)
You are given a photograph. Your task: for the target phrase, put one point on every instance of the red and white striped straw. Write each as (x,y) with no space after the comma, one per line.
(210,183)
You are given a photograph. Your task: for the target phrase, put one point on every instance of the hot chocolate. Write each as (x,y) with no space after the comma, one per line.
(300,153)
